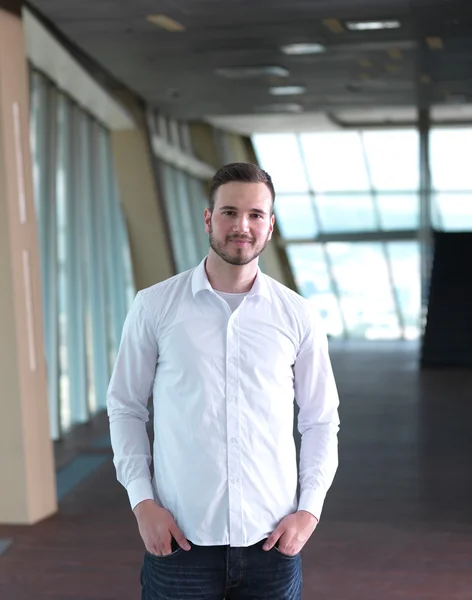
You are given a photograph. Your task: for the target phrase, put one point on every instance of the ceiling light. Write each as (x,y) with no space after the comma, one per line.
(371,25)
(395,53)
(249,72)
(435,43)
(333,25)
(366,63)
(165,22)
(304,48)
(287,90)
(425,79)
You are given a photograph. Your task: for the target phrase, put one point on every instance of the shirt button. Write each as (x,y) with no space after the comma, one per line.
(234,441)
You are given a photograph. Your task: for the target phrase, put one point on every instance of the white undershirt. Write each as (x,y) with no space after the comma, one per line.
(233,300)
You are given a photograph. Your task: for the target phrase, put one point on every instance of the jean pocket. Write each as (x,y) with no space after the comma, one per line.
(289,556)
(165,556)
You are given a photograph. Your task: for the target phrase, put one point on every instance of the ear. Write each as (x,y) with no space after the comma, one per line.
(207,217)
(271,228)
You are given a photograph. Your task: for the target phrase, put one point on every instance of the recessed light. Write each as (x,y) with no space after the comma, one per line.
(287,90)
(334,25)
(435,43)
(249,72)
(303,48)
(372,25)
(165,22)
(395,53)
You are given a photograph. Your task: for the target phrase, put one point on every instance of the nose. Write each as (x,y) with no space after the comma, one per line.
(241,224)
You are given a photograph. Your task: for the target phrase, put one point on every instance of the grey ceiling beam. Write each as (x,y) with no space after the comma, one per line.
(362,236)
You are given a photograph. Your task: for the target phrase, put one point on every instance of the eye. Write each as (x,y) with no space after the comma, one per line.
(256,216)
(228,213)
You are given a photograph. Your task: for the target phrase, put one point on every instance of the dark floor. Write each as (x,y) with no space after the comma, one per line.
(397,523)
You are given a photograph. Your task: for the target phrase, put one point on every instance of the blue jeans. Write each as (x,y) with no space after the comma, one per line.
(221,572)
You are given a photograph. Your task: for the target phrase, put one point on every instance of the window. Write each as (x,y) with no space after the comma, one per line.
(348,185)
(87,285)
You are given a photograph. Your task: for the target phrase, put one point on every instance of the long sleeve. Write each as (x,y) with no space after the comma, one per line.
(318,420)
(128,394)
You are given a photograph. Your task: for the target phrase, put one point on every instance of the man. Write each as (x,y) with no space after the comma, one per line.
(224,350)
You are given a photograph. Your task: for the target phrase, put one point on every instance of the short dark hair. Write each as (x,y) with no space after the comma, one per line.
(241,172)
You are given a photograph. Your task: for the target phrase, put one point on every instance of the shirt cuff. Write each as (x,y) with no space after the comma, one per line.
(139,490)
(312,501)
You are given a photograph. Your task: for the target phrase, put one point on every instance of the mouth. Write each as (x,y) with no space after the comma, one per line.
(240,242)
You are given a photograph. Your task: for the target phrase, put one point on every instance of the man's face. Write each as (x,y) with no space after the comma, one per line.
(242,222)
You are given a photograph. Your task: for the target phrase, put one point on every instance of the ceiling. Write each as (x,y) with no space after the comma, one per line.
(360,70)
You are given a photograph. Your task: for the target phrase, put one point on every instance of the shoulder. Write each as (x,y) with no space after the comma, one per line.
(159,295)
(303,310)
(288,297)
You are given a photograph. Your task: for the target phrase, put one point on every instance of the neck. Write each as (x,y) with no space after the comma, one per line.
(224,277)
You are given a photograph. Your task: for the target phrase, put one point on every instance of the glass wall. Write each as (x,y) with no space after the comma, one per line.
(185,200)
(87,280)
(183,180)
(348,210)
(451,178)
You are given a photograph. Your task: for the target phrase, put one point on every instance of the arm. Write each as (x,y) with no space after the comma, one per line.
(318,423)
(128,394)
(318,420)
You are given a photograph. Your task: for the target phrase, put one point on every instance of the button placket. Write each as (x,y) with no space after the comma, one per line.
(232,432)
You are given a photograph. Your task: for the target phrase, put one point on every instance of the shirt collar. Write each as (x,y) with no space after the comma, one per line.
(200,282)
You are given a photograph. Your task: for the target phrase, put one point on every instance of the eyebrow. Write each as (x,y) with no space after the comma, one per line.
(255,210)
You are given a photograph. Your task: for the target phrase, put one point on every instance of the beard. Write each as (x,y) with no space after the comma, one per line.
(240,256)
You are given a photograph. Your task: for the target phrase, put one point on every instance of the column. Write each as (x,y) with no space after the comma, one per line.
(27,477)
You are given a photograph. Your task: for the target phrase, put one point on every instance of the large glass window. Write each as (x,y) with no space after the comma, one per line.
(366,296)
(354,212)
(283,161)
(350,186)
(451,176)
(335,162)
(84,253)
(185,202)
(314,280)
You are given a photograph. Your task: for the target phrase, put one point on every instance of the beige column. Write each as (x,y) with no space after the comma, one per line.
(203,144)
(27,478)
(150,250)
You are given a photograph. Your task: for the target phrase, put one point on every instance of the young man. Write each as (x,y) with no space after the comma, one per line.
(224,350)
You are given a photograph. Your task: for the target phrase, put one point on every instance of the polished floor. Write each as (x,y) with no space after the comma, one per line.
(397,523)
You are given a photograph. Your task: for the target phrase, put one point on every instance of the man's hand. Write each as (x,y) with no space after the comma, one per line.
(292,533)
(157,528)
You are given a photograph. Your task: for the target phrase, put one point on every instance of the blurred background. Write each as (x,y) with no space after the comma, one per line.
(114,116)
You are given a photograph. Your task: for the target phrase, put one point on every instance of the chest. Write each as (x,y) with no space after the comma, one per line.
(198,339)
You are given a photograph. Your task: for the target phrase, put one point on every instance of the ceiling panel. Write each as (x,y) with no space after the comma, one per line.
(176,71)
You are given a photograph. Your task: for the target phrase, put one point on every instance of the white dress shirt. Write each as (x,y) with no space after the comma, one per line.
(223,384)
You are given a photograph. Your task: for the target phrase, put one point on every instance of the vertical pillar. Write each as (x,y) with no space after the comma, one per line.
(150,250)
(425,228)
(27,481)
